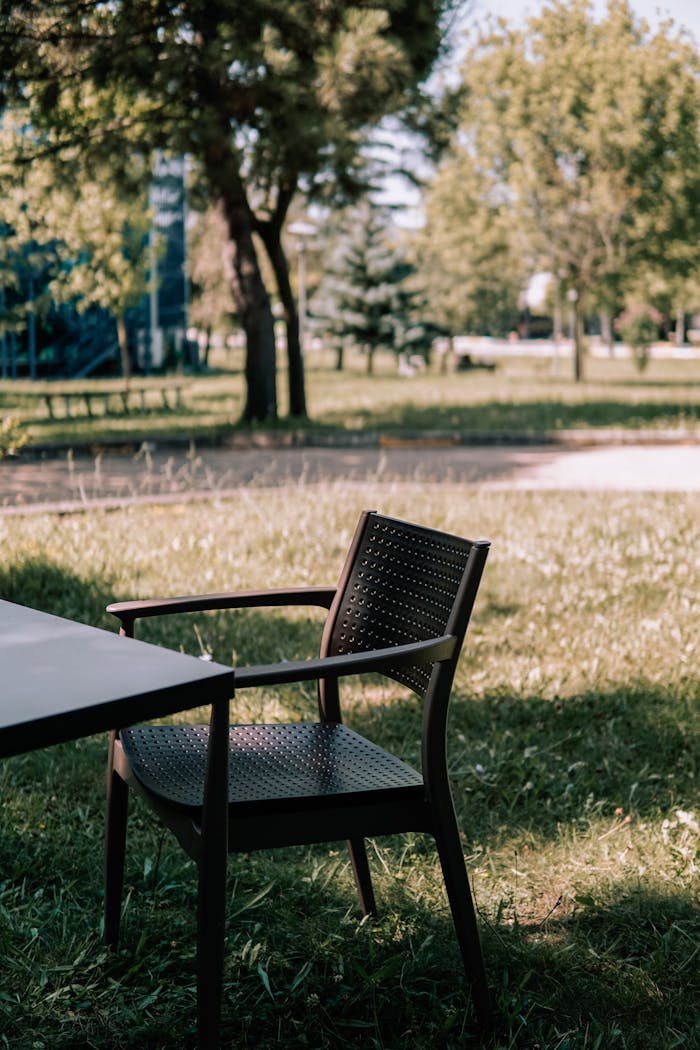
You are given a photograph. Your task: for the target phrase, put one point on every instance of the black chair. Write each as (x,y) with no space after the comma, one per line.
(401,608)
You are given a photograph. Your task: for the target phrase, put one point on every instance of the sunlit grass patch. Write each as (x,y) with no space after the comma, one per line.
(525,396)
(574,756)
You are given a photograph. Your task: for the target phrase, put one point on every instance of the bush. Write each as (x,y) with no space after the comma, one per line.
(12,437)
(638,326)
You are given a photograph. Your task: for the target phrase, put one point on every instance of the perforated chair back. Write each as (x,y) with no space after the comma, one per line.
(402,583)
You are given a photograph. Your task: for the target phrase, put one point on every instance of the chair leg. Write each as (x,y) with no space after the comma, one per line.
(115,848)
(211,897)
(211,917)
(464,917)
(363,879)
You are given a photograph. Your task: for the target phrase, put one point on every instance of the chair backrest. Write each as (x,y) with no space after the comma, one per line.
(403,583)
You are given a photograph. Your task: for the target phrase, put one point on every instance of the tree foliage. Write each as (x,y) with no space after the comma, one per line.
(77,230)
(470,261)
(212,307)
(589,130)
(366,300)
(268,97)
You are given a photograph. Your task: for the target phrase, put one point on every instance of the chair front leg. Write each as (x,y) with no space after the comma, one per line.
(211,917)
(211,902)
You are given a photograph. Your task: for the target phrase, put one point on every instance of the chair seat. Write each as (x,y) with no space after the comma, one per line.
(289,764)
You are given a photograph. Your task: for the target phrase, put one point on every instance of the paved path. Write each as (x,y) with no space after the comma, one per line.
(71,482)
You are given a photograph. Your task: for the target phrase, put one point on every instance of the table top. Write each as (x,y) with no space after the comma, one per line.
(60,680)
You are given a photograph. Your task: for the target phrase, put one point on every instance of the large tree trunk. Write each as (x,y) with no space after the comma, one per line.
(249,292)
(680,325)
(295,358)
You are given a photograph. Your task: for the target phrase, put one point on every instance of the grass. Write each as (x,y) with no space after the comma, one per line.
(524,396)
(574,755)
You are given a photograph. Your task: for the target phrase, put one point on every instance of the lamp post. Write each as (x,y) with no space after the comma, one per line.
(302,231)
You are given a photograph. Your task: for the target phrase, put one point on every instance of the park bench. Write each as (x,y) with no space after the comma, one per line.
(133,395)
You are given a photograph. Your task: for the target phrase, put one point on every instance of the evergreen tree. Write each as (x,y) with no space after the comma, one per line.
(358,303)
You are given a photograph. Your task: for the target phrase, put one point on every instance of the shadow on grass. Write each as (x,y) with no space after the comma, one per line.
(301,969)
(622,973)
(517,761)
(45,585)
(527,763)
(526,416)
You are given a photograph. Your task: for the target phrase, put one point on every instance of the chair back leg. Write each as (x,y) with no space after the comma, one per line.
(115,846)
(363,878)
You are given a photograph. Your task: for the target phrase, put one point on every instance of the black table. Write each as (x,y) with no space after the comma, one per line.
(60,680)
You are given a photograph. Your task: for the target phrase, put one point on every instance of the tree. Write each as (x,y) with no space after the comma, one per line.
(357,302)
(639,326)
(590,128)
(269,97)
(84,233)
(212,306)
(470,264)
(29,252)
(103,231)
(364,300)
(675,290)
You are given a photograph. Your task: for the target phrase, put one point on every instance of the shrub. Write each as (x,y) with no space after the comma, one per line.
(12,437)
(639,325)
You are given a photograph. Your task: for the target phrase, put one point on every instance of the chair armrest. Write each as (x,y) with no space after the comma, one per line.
(433,650)
(127,612)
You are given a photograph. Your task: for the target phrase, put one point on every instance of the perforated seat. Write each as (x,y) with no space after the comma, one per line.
(306,763)
(401,609)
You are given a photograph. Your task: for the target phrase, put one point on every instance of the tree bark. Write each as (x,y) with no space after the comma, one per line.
(249,292)
(295,359)
(680,326)
(578,340)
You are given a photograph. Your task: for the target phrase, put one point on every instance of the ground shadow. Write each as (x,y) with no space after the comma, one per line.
(525,417)
(45,585)
(397,982)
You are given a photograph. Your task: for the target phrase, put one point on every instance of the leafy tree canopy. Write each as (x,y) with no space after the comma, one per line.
(471,263)
(588,128)
(77,229)
(268,96)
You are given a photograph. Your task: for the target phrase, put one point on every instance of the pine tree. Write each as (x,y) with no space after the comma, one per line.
(360,303)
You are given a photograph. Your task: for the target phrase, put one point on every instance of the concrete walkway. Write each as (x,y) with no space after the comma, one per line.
(72,482)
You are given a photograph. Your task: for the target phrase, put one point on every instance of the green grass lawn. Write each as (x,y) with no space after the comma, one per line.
(521,395)
(574,755)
